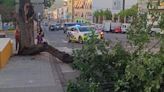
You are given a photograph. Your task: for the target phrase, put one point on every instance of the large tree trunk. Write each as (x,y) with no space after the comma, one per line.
(35,49)
(25,26)
(27,46)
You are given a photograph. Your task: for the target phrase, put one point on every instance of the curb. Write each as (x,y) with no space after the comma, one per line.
(5,52)
(55,67)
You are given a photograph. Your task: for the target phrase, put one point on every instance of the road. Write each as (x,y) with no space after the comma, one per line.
(59,41)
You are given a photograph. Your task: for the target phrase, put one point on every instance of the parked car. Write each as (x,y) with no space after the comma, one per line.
(117,29)
(55,27)
(124,27)
(82,33)
(67,25)
(156,30)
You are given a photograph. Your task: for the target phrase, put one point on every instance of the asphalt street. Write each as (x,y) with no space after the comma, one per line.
(58,39)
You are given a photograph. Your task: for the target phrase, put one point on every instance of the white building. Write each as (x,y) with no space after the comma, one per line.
(114,5)
(62,14)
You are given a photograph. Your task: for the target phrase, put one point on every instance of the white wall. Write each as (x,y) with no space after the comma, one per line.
(104,4)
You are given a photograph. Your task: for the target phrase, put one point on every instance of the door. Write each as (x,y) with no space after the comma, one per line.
(76,33)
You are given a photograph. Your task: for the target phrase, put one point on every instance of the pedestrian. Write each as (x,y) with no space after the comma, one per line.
(39,38)
(41,31)
(17,37)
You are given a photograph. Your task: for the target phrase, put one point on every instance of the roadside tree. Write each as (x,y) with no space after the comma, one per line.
(138,67)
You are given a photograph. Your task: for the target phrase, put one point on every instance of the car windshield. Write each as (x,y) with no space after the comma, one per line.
(58,24)
(73,24)
(69,25)
(85,29)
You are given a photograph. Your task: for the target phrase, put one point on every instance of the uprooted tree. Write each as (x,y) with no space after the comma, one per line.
(27,46)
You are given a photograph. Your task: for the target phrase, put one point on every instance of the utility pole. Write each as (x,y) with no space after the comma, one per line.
(123,8)
(72,10)
(123,5)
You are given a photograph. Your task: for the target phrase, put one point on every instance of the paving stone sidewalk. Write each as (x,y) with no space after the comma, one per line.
(30,74)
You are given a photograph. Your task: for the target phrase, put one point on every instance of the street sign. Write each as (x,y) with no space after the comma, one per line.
(0,22)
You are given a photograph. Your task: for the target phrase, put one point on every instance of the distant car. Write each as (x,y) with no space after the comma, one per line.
(82,33)
(156,30)
(67,25)
(117,29)
(46,24)
(124,27)
(114,26)
(55,27)
(2,34)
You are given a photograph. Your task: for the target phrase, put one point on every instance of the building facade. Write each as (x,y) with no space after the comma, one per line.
(83,10)
(114,5)
(62,14)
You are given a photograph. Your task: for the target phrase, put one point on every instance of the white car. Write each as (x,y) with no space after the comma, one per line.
(82,33)
(124,27)
(156,30)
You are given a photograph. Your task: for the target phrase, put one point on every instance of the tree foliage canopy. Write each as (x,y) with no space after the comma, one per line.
(7,7)
(138,68)
(103,13)
(129,12)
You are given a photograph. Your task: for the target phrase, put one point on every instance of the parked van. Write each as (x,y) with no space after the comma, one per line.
(124,27)
(107,26)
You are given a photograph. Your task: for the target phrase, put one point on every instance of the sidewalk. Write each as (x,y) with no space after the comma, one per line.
(30,74)
(40,73)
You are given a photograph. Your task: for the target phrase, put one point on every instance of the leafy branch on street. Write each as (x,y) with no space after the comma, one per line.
(119,70)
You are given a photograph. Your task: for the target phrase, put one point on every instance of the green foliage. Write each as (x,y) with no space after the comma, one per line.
(108,14)
(48,3)
(161,22)
(117,70)
(7,7)
(103,13)
(129,12)
(9,3)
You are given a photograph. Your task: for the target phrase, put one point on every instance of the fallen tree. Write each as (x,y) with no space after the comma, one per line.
(35,49)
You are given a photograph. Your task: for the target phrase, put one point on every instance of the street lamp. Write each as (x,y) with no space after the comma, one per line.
(123,6)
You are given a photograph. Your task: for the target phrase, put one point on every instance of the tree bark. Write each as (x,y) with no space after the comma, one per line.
(26,27)
(35,49)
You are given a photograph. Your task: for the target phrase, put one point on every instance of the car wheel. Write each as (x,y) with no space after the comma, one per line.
(80,40)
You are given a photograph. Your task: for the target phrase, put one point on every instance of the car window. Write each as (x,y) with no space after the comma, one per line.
(69,25)
(85,29)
